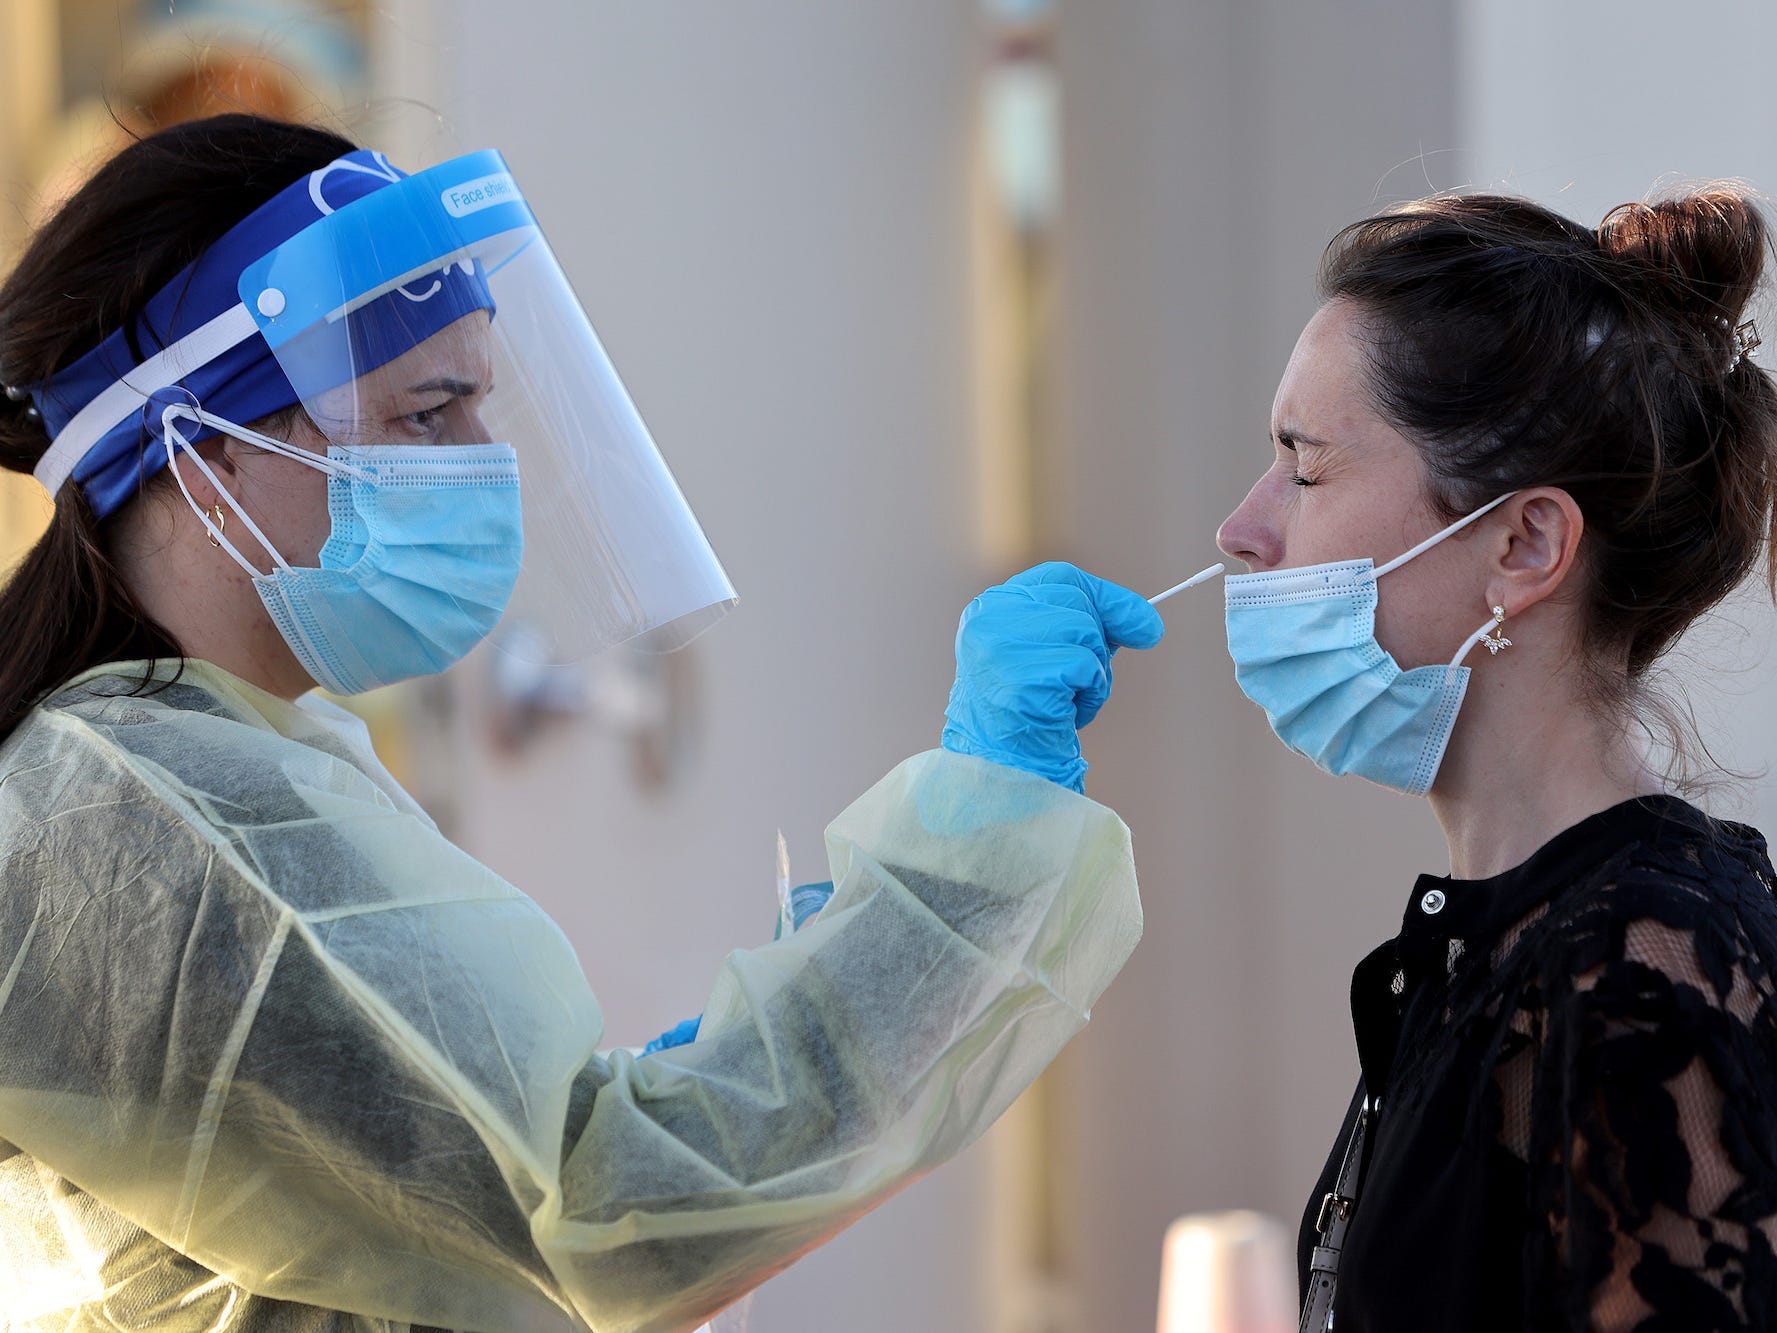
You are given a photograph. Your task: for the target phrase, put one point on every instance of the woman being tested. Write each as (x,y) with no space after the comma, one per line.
(1547,441)
(273,1053)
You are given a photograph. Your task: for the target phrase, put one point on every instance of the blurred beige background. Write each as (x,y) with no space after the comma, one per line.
(881,389)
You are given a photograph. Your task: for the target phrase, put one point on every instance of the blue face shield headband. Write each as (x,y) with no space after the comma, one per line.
(1304,648)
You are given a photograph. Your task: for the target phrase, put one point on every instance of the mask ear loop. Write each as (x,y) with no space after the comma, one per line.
(1468,644)
(175,439)
(175,442)
(1437,537)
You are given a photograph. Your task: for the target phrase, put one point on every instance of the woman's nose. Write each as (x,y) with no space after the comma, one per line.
(1249,535)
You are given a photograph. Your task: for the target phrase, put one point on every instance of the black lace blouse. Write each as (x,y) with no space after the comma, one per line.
(1577,1069)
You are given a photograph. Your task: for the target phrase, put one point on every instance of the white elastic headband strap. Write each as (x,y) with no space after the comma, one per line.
(115,404)
(1437,537)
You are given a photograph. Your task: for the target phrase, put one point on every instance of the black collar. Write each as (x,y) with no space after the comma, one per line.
(1444,907)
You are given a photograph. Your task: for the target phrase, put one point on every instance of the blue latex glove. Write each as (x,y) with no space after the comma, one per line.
(1033,666)
(806,900)
(681,1034)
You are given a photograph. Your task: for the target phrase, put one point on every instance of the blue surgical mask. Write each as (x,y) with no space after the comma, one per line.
(426,545)
(1304,648)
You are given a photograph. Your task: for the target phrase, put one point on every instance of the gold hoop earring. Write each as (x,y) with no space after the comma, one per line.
(1493,638)
(215,512)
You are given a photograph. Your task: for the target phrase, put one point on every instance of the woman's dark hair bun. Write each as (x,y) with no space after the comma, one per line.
(1696,257)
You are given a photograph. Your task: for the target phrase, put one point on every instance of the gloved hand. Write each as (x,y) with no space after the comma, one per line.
(1033,666)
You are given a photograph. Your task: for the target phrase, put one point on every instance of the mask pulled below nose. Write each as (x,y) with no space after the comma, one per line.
(1304,648)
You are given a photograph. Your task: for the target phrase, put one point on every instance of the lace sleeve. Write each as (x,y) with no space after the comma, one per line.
(1653,1129)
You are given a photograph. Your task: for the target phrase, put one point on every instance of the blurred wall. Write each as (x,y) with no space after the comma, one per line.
(29,35)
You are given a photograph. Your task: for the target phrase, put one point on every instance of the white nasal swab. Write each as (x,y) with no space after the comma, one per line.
(1191,582)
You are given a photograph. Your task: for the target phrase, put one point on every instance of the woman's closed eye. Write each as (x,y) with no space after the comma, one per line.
(1286,445)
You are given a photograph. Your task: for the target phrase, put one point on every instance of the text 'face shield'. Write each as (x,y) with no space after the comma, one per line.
(433,313)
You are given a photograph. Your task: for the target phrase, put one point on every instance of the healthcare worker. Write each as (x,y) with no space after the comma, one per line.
(1507,430)
(274,1054)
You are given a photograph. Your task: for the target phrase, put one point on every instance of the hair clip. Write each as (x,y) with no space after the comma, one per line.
(1746,342)
(15,393)
(1743,340)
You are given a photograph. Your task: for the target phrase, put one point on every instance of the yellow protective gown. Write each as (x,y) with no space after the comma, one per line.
(275,1054)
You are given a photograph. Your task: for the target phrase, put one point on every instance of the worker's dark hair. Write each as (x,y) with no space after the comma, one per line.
(147,214)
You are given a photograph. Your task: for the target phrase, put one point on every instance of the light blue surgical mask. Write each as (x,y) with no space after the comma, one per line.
(426,545)
(1304,648)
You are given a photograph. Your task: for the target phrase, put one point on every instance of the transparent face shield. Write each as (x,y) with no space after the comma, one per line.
(431,314)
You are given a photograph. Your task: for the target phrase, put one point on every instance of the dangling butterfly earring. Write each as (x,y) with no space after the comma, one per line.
(1493,638)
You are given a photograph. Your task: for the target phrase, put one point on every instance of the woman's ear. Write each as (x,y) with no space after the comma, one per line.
(1539,539)
(147,527)
(197,480)
(218,454)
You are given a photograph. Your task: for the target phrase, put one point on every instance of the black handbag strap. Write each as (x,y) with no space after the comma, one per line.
(1334,1220)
